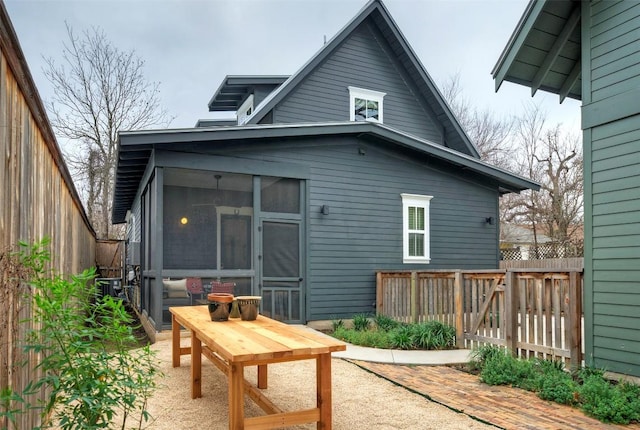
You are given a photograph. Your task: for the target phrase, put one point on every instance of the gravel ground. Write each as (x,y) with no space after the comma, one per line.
(361,400)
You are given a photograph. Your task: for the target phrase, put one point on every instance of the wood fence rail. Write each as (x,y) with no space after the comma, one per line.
(531,312)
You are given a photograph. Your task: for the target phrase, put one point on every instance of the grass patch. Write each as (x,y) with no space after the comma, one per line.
(587,389)
(383,332)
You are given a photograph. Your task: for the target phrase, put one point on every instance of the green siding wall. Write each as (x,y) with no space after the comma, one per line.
(611,62)
(615,48)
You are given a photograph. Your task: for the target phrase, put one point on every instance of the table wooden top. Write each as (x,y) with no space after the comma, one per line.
(254,341)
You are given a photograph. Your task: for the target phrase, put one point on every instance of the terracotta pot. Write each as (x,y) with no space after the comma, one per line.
(220,297)
(219,306)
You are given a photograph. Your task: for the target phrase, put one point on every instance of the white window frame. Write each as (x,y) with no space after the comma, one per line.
(420,201)
(245,110)
(362,93)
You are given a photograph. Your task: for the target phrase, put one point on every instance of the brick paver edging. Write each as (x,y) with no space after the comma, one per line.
(504,407)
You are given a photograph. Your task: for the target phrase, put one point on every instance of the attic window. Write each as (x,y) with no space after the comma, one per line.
(365,105)
(245,111)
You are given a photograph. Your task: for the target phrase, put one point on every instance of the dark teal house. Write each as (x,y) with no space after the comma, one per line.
(352,164)
(590,51)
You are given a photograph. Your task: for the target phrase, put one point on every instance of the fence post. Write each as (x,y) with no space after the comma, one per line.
(379,300)
(413,298)
(459,308)
(511,312)
(575,320)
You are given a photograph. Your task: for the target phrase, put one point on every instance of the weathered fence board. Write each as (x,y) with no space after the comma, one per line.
(572,263)
(38,199)
(532,312)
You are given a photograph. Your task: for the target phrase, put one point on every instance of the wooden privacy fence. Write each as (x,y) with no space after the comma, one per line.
(531,312)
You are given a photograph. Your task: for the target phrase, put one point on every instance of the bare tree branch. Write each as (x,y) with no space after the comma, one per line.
(99,90)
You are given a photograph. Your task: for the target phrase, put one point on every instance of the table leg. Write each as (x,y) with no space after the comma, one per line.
(236,396)
(323,388)
(175,342)
(196,366)
(262,376)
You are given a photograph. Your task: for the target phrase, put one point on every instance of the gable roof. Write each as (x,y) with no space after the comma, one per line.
(378,13)
(544,51)
(135,148)
(235,89)
(521,235)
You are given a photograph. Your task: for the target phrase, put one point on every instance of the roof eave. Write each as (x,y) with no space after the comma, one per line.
(147,140)
(246,80)
(516,41)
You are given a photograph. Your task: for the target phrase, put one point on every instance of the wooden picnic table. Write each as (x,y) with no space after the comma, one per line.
(235,344)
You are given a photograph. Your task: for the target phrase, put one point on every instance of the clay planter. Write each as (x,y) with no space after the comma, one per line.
(219,306)
(249,306)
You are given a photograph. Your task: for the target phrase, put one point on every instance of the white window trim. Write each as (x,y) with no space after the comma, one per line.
(415,200)
(362,93)
(242,114)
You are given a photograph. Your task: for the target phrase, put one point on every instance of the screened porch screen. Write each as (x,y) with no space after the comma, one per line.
(207,220)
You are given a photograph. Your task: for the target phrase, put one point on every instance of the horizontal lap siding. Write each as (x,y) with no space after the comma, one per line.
(615,49)
(615,168)
(361,61)
(363,230)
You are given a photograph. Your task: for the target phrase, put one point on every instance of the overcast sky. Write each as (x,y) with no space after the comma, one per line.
(189,46)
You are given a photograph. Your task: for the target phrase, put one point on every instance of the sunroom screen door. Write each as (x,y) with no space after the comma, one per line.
(281,283)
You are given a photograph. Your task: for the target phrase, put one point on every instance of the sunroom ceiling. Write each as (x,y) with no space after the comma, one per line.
(544,50)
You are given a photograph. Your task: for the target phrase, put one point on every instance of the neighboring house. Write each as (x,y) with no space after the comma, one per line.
(353,164)
(590,51)
(520,241)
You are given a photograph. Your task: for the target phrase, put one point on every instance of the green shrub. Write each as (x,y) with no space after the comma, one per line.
(558,386)
(372,338)
(90,371)
(388,333)
(480,355)
(336,324)
(361,322)
(433,335)
(401,337)
(586,388)
(618,404)
(504,369)
(385,323)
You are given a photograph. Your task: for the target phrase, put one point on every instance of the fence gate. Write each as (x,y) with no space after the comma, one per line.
(531,312)
(484,309)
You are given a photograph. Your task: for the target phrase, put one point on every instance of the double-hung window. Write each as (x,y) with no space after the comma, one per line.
(415,228)
(365,105)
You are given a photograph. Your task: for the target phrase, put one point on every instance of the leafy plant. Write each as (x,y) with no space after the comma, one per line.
(90,371)
(336,324)
(385,323)
(388,333)
(618,404)
(371,338)
(558,386)
(433,335)
(501,368)
(402,337)
(482,354)
(361,322)
(587,388)
(9,406)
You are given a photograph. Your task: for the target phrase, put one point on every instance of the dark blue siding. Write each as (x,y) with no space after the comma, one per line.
(363,60)
(363,231)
